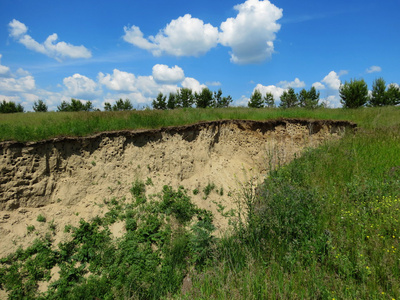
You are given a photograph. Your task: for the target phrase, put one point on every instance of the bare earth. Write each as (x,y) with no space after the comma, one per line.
(66,179)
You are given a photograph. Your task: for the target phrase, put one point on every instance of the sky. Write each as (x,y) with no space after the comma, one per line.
(106,50)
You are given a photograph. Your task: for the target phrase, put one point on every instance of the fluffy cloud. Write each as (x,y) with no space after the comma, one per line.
(276,91)
(296,83)
(4,70)
(185,36)
(118,81)
(373,69)
(81,86)
(318,85)
(17,29)
(193,84)
(164,79)
(19,84)
(164,74)
(332,80)
(50,47)
(252,32)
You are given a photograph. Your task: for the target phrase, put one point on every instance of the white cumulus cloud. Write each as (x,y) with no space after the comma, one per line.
(252,33)
(276,91)
(193,84)
(50,47)
(185,36)
(164,74)
(318,85)
(118,81)
(332,80)
(296,83)
(373,69)
(81,86)
(21,84)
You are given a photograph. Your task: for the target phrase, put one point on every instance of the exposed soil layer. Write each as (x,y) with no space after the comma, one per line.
(66,178)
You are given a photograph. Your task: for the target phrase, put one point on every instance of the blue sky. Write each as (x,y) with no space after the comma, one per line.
(106,50)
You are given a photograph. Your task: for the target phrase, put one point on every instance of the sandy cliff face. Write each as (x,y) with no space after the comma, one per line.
(65,177)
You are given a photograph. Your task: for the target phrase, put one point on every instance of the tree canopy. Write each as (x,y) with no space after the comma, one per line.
(75,105)
(256,100)
(353,94)
(382,96)
(40,106)
(119,105)
(10,107)
(289,99)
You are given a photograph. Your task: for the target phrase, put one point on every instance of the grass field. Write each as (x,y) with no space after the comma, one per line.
(38,126)
(326,226)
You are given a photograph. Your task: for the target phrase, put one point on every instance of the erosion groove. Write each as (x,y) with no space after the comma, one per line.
(76,173)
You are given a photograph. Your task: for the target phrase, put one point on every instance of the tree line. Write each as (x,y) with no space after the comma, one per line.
(184,97)
(306,99)
(353,94)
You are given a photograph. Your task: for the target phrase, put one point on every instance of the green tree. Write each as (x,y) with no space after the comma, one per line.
(378,95)
(353,94)
(10,107)
(171,104)
(256,100)
(75,105)
(269,100)
(121,105)
(289,99)
(219,101)
(308,99)
(204,99)
(160,102)
(40,106)
(107,106)
(184,98)
(393,94)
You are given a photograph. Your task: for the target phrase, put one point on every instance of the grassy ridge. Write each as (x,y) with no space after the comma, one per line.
(38,126)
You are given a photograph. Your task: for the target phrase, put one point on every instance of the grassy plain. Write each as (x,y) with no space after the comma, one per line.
(326,226)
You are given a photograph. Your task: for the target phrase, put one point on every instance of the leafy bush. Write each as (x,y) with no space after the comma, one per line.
(41,218)
(138,190)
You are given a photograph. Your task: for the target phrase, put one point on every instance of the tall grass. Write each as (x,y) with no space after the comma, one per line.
(326,226)
(38,126)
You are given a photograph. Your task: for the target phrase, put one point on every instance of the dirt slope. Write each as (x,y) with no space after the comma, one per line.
(66,179)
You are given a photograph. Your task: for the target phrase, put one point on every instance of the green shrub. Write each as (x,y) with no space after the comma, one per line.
(41,218)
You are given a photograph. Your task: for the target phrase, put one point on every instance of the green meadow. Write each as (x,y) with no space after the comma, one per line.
(325,226)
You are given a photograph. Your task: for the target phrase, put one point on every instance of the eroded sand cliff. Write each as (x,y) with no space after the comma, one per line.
(65,179)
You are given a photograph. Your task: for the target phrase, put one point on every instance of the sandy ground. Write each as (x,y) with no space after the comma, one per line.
(65,180)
